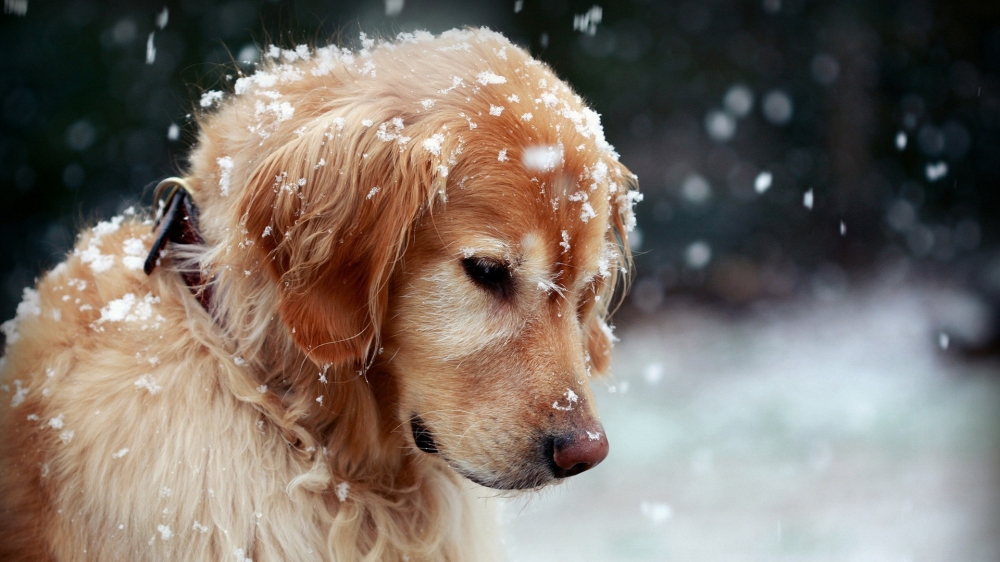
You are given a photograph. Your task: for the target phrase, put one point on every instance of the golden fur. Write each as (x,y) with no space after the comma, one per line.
(339,194)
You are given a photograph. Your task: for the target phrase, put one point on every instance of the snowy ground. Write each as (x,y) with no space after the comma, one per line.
(818,431)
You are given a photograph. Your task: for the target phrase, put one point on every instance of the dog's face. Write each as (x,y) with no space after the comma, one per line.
(492,330)
(457,224)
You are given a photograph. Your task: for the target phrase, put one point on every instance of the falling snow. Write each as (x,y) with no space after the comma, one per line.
(542,158)
(393,7)
(16,7)
(587,22)
(762,182)
(655,511)
(698,254)
(151,49)
(936,170)
(162,18)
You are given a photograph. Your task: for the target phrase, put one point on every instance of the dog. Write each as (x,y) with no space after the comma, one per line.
(378,291)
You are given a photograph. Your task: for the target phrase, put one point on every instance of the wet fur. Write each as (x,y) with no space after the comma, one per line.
(277,427)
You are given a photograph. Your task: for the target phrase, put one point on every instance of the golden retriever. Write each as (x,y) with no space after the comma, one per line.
(408,254)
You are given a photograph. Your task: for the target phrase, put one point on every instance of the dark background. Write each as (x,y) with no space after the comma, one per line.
(85,121)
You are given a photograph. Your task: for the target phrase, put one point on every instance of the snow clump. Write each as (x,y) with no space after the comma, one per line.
(129,309)
(210,98)
(487,77)
(433,144)
(149,383)
(571,399)
(92,254)
(29,306)
(225,174)
(135,253)
(20,393)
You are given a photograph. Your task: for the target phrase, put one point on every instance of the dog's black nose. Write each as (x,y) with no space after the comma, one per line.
(576,452)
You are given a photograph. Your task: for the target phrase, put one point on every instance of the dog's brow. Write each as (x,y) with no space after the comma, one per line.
(486,248)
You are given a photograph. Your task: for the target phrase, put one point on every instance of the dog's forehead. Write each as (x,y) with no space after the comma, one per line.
(552,220)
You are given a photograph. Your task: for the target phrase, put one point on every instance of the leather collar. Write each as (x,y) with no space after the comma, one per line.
(178,224)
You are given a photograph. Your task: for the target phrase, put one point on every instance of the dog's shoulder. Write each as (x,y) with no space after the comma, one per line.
(112,406)
(67,309)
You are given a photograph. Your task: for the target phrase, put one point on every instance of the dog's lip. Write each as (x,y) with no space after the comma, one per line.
(533,482)
(423,438)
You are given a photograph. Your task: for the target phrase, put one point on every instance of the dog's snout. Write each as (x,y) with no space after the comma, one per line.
(575,452)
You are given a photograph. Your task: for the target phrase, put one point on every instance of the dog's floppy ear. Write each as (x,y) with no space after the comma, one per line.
(599,343)
(328,215)
(600,338)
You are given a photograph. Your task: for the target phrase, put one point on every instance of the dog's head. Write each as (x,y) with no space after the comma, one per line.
(447,212)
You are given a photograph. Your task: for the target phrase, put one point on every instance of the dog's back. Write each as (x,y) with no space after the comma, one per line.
(120,439)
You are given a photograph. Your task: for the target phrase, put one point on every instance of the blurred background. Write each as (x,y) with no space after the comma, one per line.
(808,360)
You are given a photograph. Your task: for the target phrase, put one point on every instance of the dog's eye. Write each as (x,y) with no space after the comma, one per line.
(491,276)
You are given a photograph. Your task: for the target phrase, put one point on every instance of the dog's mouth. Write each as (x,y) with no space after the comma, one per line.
(526,478)
(422,436)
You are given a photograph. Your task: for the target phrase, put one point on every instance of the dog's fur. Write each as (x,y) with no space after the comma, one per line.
(343,197)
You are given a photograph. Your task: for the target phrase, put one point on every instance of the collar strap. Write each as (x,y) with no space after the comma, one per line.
(177,222)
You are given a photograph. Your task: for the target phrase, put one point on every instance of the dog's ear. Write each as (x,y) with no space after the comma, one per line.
(600,337)
(327,216)
(599,343)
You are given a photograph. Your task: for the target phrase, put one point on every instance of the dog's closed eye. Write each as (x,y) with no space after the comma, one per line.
(494,277)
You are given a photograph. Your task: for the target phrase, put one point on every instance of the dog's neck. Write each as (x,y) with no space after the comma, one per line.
(347,409)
